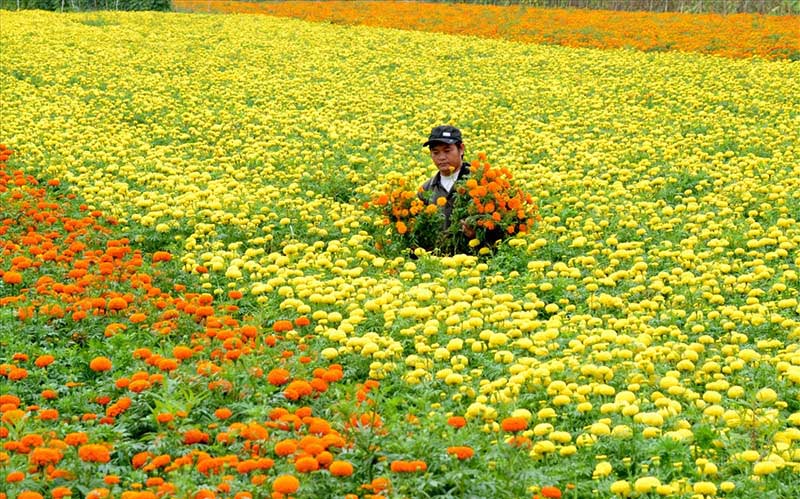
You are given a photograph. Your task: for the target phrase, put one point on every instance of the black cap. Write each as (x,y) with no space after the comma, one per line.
(445,134)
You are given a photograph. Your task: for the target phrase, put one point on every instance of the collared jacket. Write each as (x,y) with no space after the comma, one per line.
(433,189)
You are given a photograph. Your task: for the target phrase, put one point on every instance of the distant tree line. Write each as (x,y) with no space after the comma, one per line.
(82,5)
(693,6)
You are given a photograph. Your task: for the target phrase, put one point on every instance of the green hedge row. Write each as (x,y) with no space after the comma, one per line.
(82,5)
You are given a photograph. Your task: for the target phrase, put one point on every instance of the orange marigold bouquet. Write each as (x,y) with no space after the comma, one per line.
(487,208)
(410,222)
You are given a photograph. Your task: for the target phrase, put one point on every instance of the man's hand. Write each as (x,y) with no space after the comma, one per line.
(467,230)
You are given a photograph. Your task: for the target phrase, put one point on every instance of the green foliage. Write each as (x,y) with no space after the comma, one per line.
(85,5)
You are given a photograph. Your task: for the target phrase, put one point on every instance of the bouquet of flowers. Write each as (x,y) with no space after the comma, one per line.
(487,208)
(409,221)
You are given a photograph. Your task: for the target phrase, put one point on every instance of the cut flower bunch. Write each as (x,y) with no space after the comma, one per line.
(409,221)
(490,206)
(487,208)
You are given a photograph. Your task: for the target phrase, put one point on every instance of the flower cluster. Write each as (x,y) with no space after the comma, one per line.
(486,208)
(489,206)
(411,221)
(62,268)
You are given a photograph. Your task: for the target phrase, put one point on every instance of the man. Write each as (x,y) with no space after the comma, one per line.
(447,152)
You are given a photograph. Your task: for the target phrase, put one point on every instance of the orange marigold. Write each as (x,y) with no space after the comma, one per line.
(76,438)
(254,431)
(551,492)
(341,468)
(306,464)
(139,385)
(138,460)
(137,318)
(100,493)
(223,413)
(457,421)
(279,376)
(167,364)
(286,447)
(48,414)
(44,360)
(117,303)
(12,277)
(94,453)
(298,388)
(195,436)
(161,256)
(461,451)
(204,311)
(514,423)
(400,466)
(32,440)
(99,364)
(182,352)
(15,476)
(282,326)
(286,484)
(60,492)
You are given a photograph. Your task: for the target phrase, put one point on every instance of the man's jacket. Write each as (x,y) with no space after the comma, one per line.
(433,189)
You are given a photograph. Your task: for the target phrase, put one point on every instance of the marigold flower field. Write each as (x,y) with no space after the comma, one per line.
(192,303)
(737,35)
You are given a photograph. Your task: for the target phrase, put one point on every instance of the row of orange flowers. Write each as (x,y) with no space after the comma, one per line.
(53,271)
(738,35)
(63,267)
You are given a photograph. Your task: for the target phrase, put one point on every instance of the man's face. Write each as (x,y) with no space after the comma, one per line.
(447,157)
